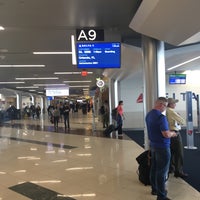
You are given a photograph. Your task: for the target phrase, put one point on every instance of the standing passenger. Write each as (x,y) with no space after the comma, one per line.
(159,136)
(175,120)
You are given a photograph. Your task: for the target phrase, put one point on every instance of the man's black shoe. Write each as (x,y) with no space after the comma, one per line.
(181,175)
(153,192)
(160,198)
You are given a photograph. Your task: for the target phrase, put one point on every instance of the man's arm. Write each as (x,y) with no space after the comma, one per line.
(175,116)
(169,134)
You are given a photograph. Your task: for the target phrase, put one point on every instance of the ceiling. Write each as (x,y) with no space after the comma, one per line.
(47,26)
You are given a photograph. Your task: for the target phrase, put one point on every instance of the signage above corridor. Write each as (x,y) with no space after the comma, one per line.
(89,34)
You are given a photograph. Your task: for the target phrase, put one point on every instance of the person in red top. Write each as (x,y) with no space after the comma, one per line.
(120,117)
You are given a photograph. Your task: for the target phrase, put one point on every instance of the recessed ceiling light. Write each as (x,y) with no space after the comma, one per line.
(2,28)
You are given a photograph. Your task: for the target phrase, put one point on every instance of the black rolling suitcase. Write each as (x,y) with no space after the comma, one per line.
(109,130)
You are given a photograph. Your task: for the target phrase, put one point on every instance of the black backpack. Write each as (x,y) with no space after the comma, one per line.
(114,113)
(102,110)
(144,167)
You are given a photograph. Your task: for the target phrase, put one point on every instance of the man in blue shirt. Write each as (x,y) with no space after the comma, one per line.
(159,136)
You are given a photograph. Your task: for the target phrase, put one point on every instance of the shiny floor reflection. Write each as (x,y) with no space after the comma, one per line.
(78,164)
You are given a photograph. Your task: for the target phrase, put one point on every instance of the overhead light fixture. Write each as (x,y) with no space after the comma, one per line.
(73,52)
(70,73)
(40,78)
(22,65)
(183,63)
(11,82)
(78,86)
(48,85)
(27,87)
(2,28)
(51,52)
(77,81)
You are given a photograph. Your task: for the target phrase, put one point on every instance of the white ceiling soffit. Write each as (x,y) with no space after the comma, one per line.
(131,63)
(173,21)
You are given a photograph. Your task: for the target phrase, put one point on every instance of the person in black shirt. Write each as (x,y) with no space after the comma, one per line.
(66,110)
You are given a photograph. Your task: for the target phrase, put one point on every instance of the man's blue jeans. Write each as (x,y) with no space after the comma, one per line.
(160,161)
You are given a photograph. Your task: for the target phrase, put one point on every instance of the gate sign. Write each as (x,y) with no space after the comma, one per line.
(89,34)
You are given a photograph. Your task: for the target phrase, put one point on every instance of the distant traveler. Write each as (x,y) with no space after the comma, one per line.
(105,114)
(120,117)
(56,116)
(159,136)
(66,110)
(175,120)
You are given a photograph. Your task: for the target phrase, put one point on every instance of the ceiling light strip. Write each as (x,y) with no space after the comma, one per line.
(73,50)
(27,87)
(77,81)
(48,85)
(183,63)
(72,86)
(51,53)
(22,66)
(60,73)
(41,78)
(11,82)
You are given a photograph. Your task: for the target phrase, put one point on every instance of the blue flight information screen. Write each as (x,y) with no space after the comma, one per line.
(99,55)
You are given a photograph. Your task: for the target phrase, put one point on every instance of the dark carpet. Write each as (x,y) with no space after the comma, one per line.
(191,156)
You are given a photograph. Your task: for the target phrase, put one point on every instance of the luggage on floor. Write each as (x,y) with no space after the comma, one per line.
(144,167)
(109,130)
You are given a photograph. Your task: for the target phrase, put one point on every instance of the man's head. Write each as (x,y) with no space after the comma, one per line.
(161,104)
(171,102)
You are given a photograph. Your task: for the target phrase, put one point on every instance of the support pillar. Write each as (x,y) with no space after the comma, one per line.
(153,76)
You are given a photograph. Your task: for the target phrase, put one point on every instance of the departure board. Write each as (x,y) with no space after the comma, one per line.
(99,55)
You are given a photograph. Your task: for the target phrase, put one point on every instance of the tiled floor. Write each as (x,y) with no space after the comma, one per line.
(38,163)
